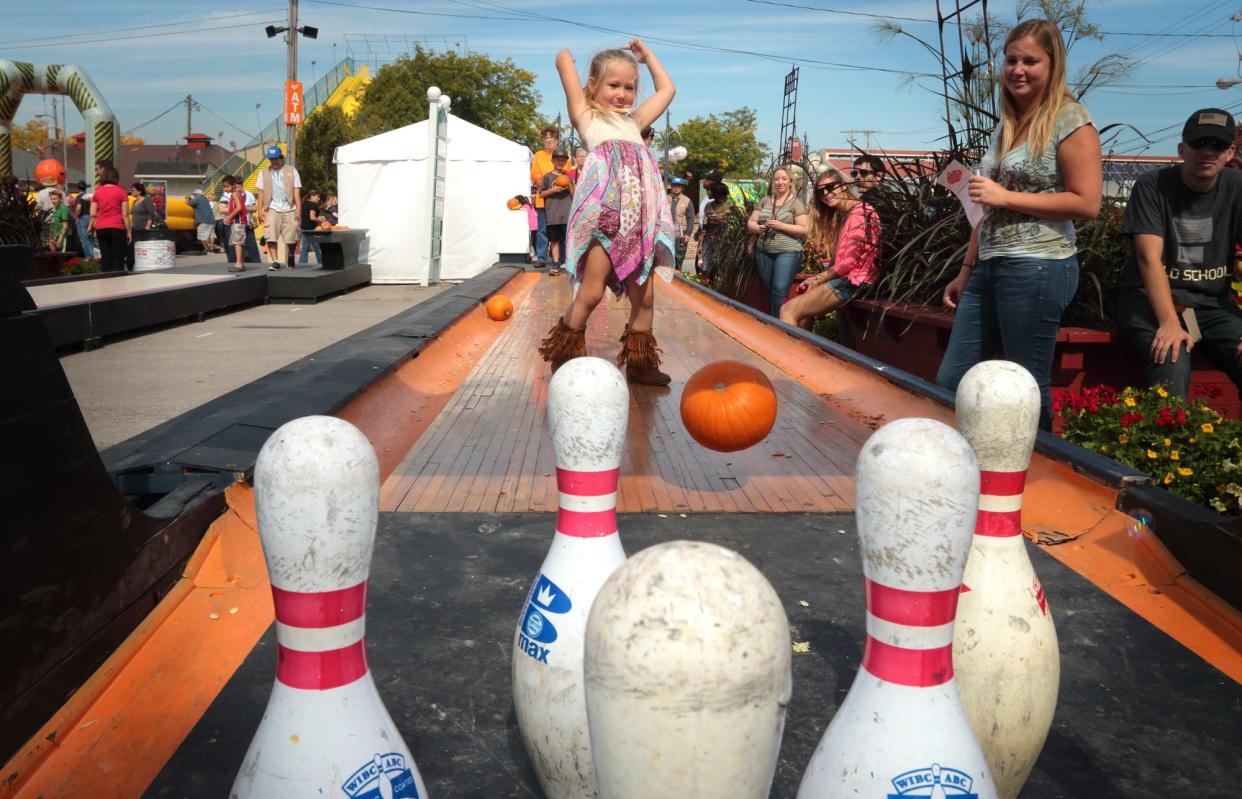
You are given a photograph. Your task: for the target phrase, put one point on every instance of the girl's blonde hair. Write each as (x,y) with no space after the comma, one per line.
(823,224)
(599,65)
(1055,97)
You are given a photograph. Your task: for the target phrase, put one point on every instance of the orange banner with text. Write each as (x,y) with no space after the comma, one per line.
(294,112)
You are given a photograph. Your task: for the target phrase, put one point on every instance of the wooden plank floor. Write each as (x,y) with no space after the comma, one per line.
(489,451)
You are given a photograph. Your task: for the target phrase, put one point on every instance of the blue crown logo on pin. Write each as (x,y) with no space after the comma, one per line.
(536,627)
(365,782)
(918,782)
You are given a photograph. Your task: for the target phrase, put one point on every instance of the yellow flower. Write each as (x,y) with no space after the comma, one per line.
(1152,454)
(1207,427)
(1173,455)
(1160,390)
(1185,472)
(1123,439)
(1168,443)
(1168,478)
(1130,403)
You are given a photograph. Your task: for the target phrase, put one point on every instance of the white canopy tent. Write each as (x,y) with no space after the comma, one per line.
(382,186)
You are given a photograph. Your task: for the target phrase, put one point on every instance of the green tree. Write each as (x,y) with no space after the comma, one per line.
(29,136)
(495,95)
(725,141)
(324,130)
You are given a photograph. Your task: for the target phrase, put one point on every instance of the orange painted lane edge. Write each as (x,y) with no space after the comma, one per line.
(168,671)
(1115,552)
(398,408)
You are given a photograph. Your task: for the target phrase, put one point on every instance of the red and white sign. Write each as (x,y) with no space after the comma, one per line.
(294,110)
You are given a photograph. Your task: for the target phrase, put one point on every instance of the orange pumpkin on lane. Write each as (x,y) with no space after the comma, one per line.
(728,406)
(498,307)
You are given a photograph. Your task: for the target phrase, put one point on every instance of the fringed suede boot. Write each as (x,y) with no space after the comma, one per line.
(563,343)
(641,358)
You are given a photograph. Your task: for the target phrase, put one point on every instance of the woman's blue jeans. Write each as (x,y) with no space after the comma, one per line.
(777,272)
(1012,305)
(310,243)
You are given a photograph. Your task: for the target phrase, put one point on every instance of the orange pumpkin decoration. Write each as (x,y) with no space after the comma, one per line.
(50,172)
(562,181)
(514,203)
(728,406)
(498,307)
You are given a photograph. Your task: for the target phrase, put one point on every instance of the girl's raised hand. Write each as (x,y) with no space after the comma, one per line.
(639,50)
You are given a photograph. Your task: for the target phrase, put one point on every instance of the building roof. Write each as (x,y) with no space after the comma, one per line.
(154,159)
(158,169)
(24,164)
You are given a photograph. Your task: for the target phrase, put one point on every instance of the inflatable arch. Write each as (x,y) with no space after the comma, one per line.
(18,78)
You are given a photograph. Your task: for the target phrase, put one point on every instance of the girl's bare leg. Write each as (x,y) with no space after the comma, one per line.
(801,310)
(642,303)
(591,291)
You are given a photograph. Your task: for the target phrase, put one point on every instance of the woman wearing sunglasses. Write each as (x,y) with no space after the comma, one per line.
(1020,270)
(779,222)
(843,233)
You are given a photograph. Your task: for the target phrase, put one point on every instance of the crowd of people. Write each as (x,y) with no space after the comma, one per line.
(100,221)
(1041,173)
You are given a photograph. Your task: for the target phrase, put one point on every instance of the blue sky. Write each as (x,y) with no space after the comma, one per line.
(218,53)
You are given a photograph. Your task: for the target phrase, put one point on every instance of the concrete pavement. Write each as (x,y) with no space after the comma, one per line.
(134,383)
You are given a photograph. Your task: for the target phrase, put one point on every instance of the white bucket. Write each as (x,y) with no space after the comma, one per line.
(156,254)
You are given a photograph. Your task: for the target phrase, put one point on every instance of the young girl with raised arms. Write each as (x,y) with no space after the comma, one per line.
(620,226)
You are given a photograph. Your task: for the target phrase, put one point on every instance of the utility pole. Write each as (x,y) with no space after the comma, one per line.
(851,136)
(63,131)
(291,131)
(189,125)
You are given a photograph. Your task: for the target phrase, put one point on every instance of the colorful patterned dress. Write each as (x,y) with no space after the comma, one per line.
(620,203)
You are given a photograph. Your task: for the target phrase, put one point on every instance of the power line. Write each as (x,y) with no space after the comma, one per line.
(1185,35)
(411,11)
(152,119)
(60,38)
(139,36)
(782,58)
(225,121)
(840,11)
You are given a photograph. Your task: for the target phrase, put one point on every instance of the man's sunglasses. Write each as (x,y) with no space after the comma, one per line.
(1216,145)
(856,173)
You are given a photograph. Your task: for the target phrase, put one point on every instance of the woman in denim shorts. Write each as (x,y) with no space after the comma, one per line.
(844,234)
(1020,270)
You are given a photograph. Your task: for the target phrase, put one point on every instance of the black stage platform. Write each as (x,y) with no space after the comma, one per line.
(127,303)
(1139,715)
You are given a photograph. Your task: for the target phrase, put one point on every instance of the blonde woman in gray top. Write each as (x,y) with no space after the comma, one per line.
(1020,270)
(779,221)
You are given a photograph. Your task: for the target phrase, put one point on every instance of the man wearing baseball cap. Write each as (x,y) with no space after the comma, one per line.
(1184,222)
(280,208)
(684,219)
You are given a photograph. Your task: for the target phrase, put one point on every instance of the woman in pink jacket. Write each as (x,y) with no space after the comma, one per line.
(843,232)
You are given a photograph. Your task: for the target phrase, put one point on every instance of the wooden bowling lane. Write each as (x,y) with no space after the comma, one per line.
(488,450)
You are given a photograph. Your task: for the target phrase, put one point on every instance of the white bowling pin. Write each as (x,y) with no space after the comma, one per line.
(325,731)
(1005,645)
(687,676)
(901,729)
(588,407)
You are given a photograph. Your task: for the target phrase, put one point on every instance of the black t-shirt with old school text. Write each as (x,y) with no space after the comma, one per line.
(1199,232)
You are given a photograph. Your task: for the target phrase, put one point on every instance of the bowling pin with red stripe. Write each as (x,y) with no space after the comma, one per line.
(325,731)
(588,407)
(1005,644)
(687,676)
(901,729)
